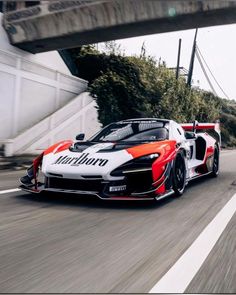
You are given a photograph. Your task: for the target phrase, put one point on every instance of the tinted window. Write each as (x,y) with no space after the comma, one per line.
(140,131)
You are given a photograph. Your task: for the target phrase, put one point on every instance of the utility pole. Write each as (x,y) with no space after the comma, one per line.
(190,73)
(178,59)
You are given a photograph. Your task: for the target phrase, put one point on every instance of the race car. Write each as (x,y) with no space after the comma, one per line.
(135,159)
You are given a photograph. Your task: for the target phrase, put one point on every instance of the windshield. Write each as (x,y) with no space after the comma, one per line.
(138,131)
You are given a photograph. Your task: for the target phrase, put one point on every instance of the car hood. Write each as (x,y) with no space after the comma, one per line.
(96,159)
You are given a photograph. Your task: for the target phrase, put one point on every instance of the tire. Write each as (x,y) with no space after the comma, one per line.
(179,174)
(215,165)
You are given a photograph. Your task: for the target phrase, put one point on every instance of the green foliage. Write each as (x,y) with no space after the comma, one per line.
(228,123)
(139,86)
(117,97)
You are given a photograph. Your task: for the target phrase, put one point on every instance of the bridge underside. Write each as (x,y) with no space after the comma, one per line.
(68,24)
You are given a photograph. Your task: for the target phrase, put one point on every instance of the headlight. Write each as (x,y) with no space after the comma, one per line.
(148,158)
(141,164)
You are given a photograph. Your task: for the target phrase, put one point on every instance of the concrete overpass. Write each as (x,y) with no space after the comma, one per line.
(55,25)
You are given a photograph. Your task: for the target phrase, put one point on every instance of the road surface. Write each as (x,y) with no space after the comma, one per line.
(68,244)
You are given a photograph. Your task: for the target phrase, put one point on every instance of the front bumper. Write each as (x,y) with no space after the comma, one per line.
(82,193)
(98,188)
(138,186)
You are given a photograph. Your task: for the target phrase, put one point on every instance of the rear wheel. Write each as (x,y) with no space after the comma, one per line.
(179,174)
(215,165)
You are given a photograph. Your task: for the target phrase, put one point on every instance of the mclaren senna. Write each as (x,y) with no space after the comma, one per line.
(135,159)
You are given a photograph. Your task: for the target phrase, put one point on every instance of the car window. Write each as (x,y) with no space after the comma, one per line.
(154,134)
(133,131)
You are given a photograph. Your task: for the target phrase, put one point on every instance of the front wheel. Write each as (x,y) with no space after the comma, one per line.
(179,174)
(215,165)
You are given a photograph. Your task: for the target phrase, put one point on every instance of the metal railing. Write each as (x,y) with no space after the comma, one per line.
(8,6)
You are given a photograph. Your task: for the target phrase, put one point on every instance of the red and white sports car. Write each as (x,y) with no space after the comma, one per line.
(139,159)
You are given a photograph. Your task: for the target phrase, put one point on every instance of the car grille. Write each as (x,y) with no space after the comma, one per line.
(75,184)
(139,182)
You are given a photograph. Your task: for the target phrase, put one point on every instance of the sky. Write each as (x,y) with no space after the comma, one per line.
(217,45)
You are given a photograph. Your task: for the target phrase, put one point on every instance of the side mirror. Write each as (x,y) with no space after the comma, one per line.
(80,136)
(190,135)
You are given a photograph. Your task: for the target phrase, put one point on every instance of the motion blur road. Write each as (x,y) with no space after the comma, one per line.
(70,244)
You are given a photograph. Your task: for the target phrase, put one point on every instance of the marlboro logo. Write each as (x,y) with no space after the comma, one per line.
(81,160)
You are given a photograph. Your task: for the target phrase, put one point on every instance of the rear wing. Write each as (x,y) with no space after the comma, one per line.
(212,129)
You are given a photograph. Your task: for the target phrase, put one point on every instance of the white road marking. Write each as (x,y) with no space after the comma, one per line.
(177,279)
(10,191)
(2,172)
(228,153)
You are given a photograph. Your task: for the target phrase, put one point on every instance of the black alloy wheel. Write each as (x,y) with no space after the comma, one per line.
(215,164)
(179,174)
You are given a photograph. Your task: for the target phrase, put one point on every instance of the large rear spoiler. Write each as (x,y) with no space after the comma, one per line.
(212,128)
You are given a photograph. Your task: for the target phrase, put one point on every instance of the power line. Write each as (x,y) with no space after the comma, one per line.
(201,56)
(205,73)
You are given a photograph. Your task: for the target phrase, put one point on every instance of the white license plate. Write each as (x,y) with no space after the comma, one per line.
(117,188)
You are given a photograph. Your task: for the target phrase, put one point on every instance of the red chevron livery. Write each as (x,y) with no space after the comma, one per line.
(135,159)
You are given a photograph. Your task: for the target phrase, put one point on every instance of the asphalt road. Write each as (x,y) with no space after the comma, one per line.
(68,244)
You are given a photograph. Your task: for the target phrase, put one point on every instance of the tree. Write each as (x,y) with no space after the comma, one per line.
(139,86)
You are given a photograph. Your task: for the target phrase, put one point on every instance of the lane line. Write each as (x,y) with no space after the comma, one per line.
(10,191)
(12,172)
(179,276)
(226,154)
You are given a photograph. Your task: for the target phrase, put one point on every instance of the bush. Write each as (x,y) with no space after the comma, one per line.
(130,87)
(117,98)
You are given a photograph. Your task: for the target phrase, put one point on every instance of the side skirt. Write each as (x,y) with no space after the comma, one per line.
(198,176)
